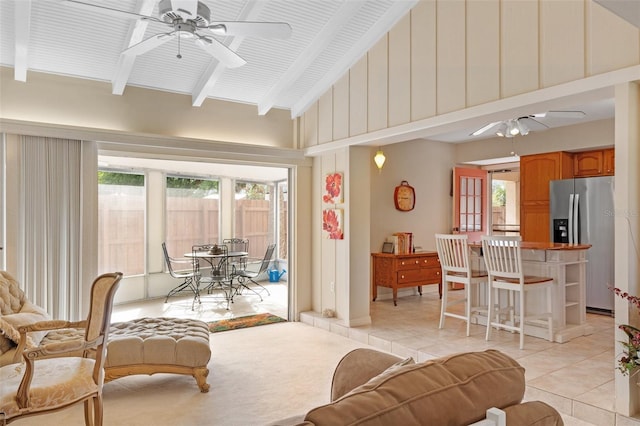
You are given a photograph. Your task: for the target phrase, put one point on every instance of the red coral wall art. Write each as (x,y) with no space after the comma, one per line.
(332,224)
(333,188)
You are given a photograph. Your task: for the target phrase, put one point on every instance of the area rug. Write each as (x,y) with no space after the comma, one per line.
(244,322)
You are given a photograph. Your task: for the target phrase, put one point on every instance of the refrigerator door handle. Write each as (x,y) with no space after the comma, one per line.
(571,196)
(576,225)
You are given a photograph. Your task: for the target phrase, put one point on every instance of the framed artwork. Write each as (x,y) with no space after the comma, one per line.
(387,247)
(332,224)
(333,188)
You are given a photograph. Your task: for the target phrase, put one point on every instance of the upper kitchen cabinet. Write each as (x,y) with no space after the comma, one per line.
(594,163)
(536,171)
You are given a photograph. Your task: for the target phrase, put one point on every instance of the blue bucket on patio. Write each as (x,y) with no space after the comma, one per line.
(274,275)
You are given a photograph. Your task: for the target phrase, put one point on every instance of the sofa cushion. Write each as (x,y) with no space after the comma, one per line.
(359,366)
(11,295)
(16,311)
(457,389)
(29,314)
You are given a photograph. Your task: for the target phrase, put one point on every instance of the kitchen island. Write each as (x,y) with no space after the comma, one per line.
(566,264)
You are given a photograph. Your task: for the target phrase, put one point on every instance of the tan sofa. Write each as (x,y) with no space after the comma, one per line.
(374,388)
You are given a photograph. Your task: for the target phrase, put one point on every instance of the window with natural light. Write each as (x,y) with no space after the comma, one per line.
(254,215)
(192,213)
(121,222)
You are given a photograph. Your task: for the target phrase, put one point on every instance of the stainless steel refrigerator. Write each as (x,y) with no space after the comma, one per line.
(582,212)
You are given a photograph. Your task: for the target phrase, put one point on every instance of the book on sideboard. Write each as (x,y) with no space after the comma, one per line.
(402,242)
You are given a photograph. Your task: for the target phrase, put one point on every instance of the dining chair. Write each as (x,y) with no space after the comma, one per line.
(453,253)
(58,375)
(247,275)
(503,260)
(237,245)
(219,276)
(183,269)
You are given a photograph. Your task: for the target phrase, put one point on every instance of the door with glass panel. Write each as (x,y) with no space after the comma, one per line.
(470,202)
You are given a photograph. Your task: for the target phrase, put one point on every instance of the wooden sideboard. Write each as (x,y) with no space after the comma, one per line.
(405,270)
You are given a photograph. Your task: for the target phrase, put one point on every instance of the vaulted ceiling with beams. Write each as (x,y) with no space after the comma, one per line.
(67,37)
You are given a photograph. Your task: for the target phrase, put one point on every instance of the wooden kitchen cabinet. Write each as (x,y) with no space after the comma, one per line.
(536,171)
(609,162)
(594,163)
(405,270)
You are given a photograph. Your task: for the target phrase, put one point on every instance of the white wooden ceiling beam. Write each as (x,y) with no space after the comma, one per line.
(136,35)
(325,36)
(215,69)
(22,20)
(375,32)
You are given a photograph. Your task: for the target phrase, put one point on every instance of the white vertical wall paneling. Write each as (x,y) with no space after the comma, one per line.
(423,60)
(561,51)
(400,72)
(325,117)
(612,43)
(330,260)
(341,108)
(358,98)
(317,242)
(627,226)
(341,300)
(311,126)
(450,56)
(378,85)
(483,51)
(519,42)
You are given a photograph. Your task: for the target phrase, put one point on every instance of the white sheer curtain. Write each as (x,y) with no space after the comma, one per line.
(58,223)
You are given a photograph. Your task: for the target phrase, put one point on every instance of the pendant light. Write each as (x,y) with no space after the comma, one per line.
(379,159)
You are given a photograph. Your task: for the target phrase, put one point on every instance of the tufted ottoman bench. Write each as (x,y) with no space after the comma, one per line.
(152,345)
(159,345)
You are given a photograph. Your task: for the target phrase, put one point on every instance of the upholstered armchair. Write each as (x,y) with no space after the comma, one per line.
(58,375)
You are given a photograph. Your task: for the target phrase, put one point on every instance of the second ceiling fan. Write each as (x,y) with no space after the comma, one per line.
(525,124)
(188,19)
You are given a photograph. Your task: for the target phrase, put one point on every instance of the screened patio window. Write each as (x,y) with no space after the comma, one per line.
(121,222)
(192,213)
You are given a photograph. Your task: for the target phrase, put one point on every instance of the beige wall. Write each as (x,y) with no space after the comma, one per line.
(79,103)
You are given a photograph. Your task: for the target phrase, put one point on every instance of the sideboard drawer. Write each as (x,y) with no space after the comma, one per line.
(410,276)
(408,263)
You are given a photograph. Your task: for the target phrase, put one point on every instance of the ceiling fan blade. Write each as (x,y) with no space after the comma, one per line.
(485,128)
(148,44)
(533,124)
(107,10)
(560,114)
(280,30)
(226,56)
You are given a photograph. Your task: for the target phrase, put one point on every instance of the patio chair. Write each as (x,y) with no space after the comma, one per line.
(246,275)
(58,375)
(183,269)
(237,245)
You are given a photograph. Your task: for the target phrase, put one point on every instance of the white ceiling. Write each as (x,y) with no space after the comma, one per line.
(328,36)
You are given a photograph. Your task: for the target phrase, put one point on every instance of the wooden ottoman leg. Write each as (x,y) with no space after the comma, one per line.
(200,374)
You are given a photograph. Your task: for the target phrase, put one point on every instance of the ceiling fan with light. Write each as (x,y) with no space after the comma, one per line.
(524,125)
(187,19)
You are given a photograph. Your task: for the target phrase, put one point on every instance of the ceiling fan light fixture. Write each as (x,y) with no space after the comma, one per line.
(513,128)
(523,129)
(502,130)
